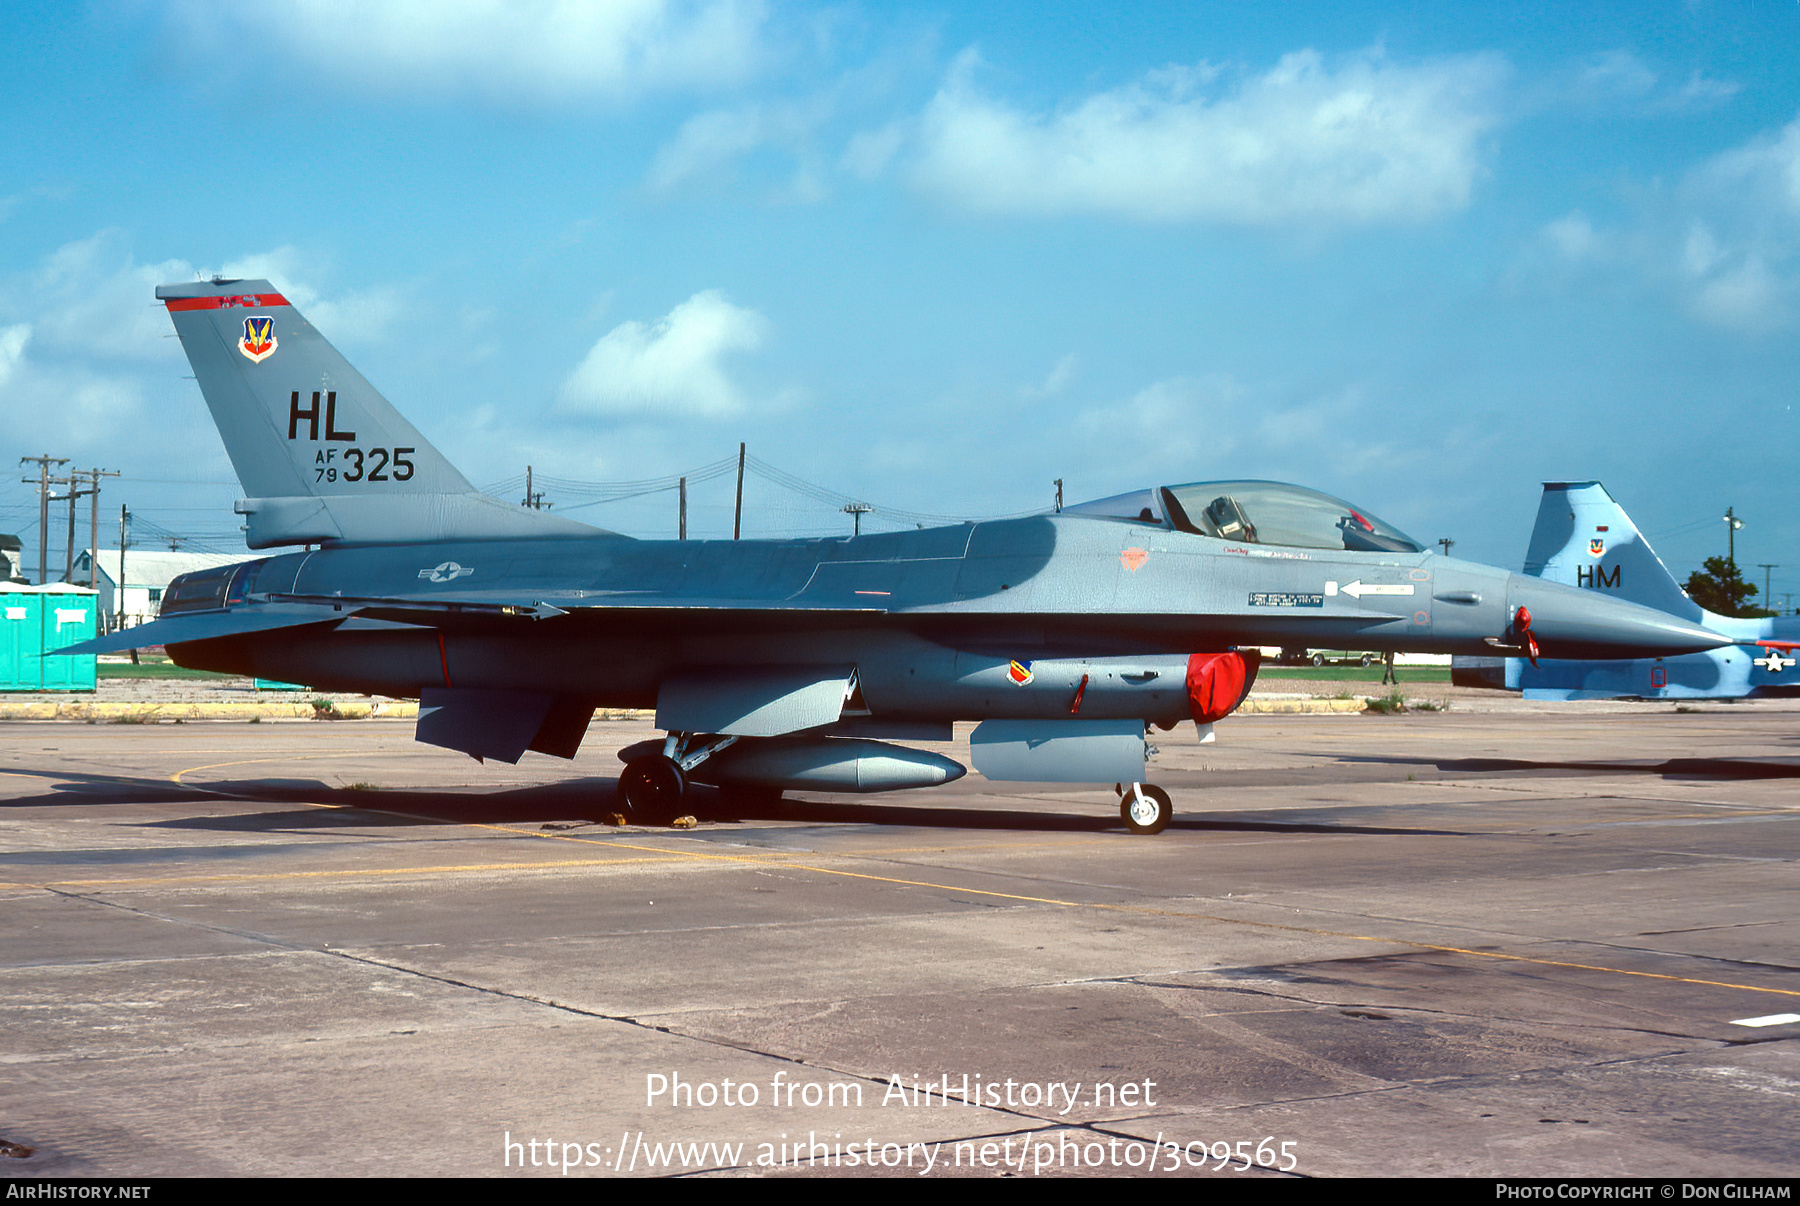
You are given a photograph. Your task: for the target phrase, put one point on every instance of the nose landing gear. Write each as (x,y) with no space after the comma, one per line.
(1145,808)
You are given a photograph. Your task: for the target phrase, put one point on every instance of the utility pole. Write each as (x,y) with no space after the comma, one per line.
(1732,524)
(94,526)
(43,463)
(857,511)
(737,516)
(1446,542)
(1766,567)
(533,499)
(75,494)
(681,531)
(119,591)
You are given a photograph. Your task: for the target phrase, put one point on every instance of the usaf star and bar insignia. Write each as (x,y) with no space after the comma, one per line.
(1776,662)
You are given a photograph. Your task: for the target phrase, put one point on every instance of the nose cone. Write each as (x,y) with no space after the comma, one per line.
(1577,624)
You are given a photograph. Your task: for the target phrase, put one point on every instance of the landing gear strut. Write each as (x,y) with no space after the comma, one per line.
(1145,808)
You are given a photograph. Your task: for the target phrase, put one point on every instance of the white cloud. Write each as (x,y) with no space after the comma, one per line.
(1765,172)
(92,300)
(1574,236)
(708,143)
(536,50)
(671,367)
(1724,243)
(81,336)
(1616,73)
(870,151)
(1214,425)
(704,143)
(1741,257)
(1745,295)
(12,348)
(346,319)
(1367,141)
(1620,81)
(84,345)
(1700,92)
(1060,375)
(1178,426)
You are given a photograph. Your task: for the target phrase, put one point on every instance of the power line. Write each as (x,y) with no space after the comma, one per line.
(596,493)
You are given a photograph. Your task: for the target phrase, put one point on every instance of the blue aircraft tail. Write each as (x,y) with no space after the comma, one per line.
(1583,538)
(322,456)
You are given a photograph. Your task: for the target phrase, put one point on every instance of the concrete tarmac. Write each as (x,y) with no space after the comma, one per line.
(1540,942)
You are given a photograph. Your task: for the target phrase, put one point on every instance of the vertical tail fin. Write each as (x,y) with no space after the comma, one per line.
(1583,538)
(321,454)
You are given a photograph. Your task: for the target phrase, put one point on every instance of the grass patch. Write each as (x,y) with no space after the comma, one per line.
(324,709)
(1354,674)
(1388,705)
(155,670)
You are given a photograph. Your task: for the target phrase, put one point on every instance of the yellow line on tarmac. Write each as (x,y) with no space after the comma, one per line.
(176,777)
(164,881)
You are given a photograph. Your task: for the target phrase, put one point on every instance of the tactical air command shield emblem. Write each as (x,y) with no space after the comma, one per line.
(258,342)
(1019,672)
(1596,547)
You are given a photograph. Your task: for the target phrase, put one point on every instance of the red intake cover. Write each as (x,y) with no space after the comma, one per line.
(1218,682)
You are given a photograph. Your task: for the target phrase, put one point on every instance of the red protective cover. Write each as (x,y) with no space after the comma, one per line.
(1218,682)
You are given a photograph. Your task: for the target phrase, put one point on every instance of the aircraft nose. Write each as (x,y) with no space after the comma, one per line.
(1569,622)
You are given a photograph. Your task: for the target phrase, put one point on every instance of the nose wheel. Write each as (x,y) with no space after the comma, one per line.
(1145,808)
(651,789)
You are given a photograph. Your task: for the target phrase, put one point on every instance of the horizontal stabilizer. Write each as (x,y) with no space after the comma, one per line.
(203,626)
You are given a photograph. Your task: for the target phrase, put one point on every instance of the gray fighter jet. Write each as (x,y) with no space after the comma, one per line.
(790,664)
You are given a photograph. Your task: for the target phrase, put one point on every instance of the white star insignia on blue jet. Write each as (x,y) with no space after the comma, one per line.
(1774,663)
(447,571)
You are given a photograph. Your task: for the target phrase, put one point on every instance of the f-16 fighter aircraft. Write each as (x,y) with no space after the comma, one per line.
(790,664)
(1584,539)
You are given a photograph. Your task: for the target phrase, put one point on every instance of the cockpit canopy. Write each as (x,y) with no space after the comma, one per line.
(1257,513)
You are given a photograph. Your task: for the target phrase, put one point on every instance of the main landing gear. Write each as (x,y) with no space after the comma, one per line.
(1145,808)
(652,787)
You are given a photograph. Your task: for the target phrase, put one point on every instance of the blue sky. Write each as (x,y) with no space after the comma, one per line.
(1423,257)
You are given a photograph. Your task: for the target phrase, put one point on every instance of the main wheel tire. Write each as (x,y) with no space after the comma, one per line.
(1147,809)
(1318,659)
(651,789)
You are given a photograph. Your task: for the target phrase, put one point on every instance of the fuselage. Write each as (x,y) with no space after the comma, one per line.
(933,620)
